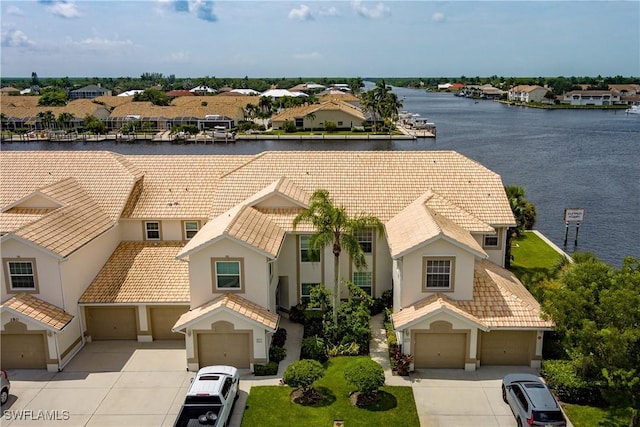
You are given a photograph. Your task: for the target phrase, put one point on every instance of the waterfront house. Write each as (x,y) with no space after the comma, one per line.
(591,97)
(102,246)
(89,92)
(312,116)
(527,93)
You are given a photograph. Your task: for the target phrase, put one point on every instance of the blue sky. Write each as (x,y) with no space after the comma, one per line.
(193,38)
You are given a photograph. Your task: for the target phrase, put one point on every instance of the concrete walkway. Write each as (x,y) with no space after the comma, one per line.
(379,351)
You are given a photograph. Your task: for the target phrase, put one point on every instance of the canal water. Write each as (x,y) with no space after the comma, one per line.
(563,158)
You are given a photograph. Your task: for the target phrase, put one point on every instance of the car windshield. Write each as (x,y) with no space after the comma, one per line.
(548,416)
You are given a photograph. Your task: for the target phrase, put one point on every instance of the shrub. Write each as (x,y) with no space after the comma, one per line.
(351,349)
(402,362)
(296,314)
(279,337)
(303,373)
(377,306)
(563,379)
(270,368)
(289,127)
(330,126)
(313,348)
(277,354)
(387,298)
(365,375)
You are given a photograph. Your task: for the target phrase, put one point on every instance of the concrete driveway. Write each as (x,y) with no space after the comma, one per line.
(453,397)
(109,383)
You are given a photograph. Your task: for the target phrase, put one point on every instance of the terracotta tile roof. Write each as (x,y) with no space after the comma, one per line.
(107,178)
(283,217)
(242,223)
(464,219)
(499,301)
(27,106)
(417,225)
(379,183)
(141,272)
(177,186)
(283,187)
(232,302)
(36,309)
(65,229)
(331,105)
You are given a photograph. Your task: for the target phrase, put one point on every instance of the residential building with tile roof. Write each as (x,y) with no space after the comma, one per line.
(201,248)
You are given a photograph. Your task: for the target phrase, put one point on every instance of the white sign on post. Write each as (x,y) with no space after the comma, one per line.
(573,215)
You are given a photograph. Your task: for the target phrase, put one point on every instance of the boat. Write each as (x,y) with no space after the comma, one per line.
(221,133)
(635,109)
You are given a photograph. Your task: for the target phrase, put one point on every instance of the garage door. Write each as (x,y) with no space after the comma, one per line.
(224,349)
(111,323)
(439,351)
(507,347)
(163,319)
(23,351)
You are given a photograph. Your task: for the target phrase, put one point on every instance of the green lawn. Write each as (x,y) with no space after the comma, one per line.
(532,256)
(271,406)
(589,416)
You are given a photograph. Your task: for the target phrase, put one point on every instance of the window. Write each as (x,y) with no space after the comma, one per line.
(363,280)
(299,122)
(520,395)
(438,273)
(190,229)
(305,291)
(228,275)
(365,238)
(21,275)
(491,241)
(306,255)
(152,230)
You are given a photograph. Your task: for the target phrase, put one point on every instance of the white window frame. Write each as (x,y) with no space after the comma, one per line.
(216,275)
(447,263)
(491,245)
(364,275)
(304,246)
(147,230)
(307,296)
(8,262)
(187,230)
(365,236)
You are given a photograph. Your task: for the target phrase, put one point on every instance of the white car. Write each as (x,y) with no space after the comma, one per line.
(6,385)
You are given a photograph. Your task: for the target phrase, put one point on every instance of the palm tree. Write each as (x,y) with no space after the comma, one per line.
(311,116)
(265,104)
(333,226)
(64,119)
(46,118)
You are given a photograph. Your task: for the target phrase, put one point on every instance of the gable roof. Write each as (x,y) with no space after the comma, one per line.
(242,224)
(234,304)
(32,308)
(417,225)
(500,301)
(61,230)
(285,188)
(141,272)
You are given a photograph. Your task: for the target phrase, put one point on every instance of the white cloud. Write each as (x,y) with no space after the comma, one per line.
(65,9)
(101,44)
(15,38)
(438,17)
(181,56)
(376,12)
(14,10)
(309,55)
(302,13)
(329,11)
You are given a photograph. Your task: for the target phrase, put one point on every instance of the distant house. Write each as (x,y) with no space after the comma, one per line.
(131,92)
(280,93)
(591,97)
(343,114)
(89,92)
(202,90)
(8,90)
(485,91)
(527,93)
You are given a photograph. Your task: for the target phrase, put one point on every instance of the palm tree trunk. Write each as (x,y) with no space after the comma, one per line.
(336,291)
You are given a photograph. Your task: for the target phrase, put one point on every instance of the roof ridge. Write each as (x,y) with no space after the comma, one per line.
(253,159)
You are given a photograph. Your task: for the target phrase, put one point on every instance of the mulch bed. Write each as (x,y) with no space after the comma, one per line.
(364,399)
(306,398)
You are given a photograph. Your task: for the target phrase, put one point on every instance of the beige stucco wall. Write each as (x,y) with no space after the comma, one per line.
(335,116)
(412,272)
(255,273)
(383,265)
(286,266)
(47,270)
(170,229)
